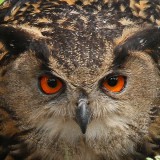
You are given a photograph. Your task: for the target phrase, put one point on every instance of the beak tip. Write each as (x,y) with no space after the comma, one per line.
(83,129)
(82,125)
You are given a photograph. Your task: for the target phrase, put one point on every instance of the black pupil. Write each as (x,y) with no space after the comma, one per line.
(112,81)
(52,82)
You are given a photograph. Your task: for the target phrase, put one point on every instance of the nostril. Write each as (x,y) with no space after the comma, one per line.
(87,102)
(83,98)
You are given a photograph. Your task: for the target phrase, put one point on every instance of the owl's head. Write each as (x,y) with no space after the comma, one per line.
(80,89)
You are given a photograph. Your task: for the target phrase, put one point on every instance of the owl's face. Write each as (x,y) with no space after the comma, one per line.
(87,93)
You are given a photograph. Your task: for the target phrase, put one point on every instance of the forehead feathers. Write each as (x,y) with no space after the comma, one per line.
(80,34)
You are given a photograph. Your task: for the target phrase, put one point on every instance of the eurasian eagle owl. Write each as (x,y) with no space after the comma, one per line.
(79,80)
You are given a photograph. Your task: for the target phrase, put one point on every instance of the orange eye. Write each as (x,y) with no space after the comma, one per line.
(50,84)
(114,83)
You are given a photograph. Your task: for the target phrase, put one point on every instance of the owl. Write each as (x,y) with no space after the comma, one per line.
(79,79)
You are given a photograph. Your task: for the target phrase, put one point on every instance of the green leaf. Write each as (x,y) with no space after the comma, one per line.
(1,1)
(157,157)
(149,158)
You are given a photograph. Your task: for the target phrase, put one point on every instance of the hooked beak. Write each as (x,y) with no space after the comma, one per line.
(83,113)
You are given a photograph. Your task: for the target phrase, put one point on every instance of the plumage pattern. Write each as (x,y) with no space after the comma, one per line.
(82,43)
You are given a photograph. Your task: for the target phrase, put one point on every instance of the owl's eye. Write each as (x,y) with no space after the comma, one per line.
(114,83)
(50,84)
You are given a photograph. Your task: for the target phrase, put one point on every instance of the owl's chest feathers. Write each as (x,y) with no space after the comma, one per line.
(81,151)
(68,143)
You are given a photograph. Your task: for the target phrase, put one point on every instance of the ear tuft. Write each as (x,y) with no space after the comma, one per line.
(17,40)
(147,40)
(14,39)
